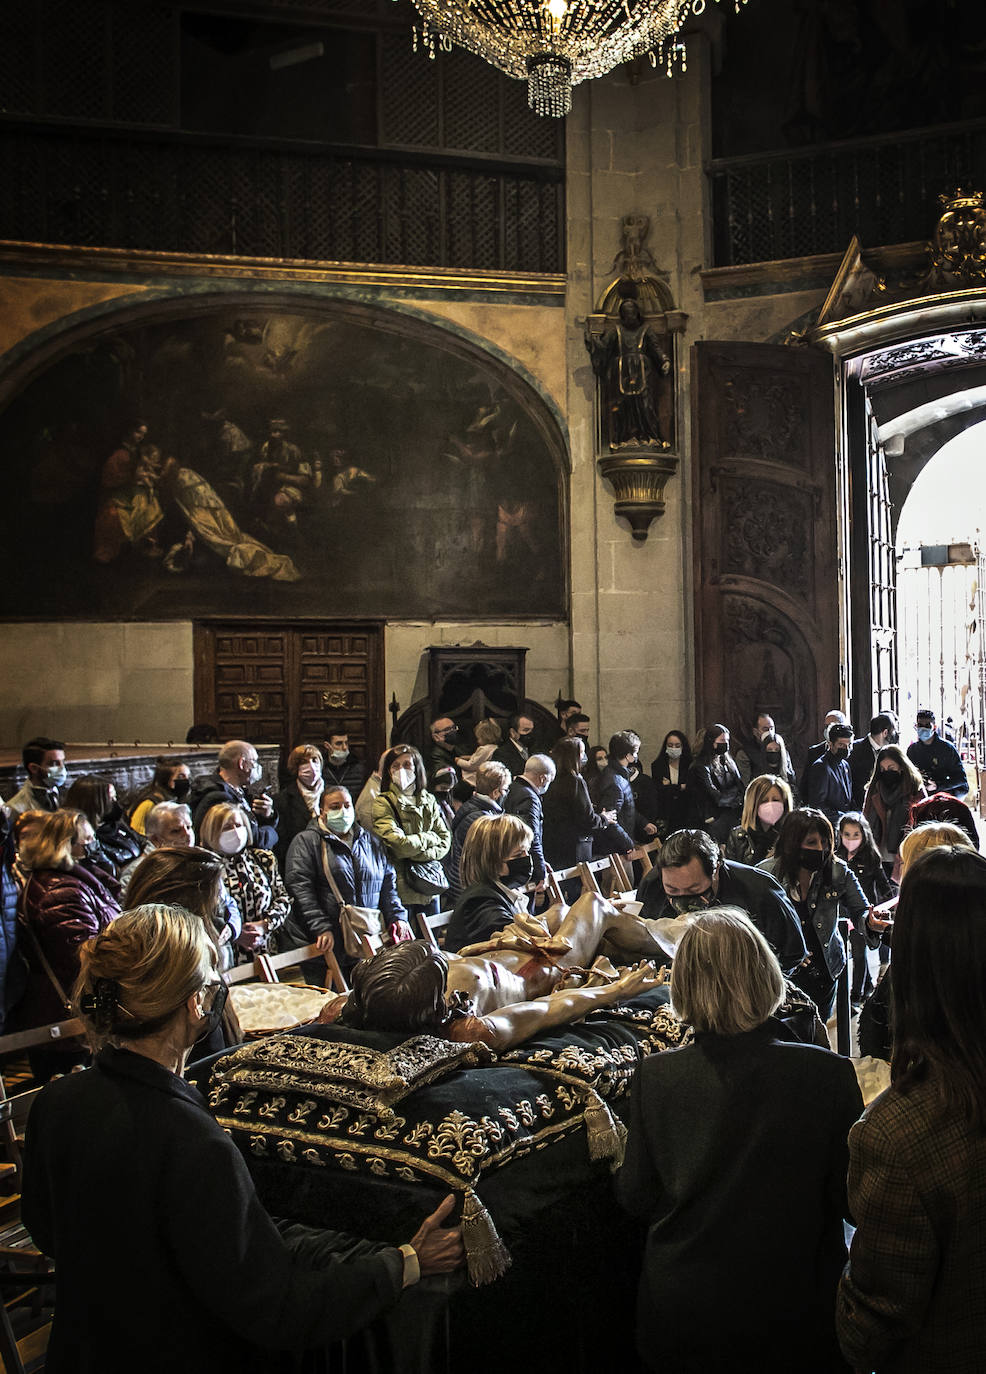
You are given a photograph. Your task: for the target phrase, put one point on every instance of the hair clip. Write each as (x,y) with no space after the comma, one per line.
(102,1002)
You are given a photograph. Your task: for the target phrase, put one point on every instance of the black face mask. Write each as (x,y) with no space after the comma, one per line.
(722,747)
(519,871)
(181,787)
(451,737)
(113,814)
(773,761)
(214,1015)
(693,901)
(812,859)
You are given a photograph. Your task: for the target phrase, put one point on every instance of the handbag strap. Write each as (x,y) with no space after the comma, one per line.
(329,875)
(22,921)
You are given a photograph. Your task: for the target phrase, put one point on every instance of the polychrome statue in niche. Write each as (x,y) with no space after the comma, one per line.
(325,458)
(630,339)
(630,363)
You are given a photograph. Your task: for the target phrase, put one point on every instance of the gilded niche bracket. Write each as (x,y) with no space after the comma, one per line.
(630,338)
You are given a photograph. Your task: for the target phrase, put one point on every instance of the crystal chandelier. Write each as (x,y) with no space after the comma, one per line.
(555,44)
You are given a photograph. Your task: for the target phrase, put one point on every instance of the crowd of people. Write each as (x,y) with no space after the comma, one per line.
(740,1145)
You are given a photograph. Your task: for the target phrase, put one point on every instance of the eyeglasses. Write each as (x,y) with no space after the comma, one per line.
(219,992)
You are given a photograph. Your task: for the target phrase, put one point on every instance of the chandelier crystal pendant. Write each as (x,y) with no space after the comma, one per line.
(555,44)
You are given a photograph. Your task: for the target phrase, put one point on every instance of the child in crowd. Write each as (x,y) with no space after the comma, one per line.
(855,844)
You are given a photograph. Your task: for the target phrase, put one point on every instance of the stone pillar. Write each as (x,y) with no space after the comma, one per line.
(633,147)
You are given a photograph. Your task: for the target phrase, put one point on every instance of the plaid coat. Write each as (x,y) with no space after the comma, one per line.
(913,1297)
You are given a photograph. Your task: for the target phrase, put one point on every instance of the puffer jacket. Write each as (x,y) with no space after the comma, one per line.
(364,875)
(64,908)
(417,832)
(834,892)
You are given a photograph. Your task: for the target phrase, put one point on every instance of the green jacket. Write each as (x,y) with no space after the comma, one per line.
(420,833)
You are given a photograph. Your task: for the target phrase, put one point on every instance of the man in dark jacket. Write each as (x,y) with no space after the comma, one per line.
(828,782)
(340,766)
(690,873)
(238,769)
(362,871)
(615,790)
(444,738)
(936,759)
(492,781)
(524,800)
(513,752)
(817,750)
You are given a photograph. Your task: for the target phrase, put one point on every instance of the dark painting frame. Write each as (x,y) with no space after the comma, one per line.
(441,489)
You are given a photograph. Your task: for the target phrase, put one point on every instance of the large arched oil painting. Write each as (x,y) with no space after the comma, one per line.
(322,460)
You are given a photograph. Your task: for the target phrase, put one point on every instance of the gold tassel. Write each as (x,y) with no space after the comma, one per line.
(605,1135)
(487,1258)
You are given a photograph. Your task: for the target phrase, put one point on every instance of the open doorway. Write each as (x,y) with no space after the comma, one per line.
(940,596)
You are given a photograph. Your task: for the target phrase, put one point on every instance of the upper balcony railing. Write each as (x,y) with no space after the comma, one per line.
(794,204)
(104,186)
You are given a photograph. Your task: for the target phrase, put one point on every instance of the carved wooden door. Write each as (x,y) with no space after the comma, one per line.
(766,556)
(283,683)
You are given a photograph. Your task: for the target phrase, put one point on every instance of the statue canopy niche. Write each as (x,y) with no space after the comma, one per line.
(630,339)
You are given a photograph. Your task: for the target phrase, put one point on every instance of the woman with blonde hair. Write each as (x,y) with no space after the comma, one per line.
(192,879)
(494,868)
(63,904)
(766,802)
(735,1140)
(253,882)
(128,1155)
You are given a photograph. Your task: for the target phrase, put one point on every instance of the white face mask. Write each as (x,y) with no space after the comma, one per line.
(404,778)
(339,755)
(340,820)
(233,840)
(673,751)
(256,772)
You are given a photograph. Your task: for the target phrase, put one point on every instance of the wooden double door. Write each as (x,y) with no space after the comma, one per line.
(766,492)
(285,682)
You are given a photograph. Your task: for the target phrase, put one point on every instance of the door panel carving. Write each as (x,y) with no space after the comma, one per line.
(766,566)
(283,687)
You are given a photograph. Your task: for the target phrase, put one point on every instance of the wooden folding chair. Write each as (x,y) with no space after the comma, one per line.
(24,1270)
(621,879)
(432,926)
(643,853)
(268,966)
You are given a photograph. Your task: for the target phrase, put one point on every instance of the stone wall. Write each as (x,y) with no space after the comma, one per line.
(627,650)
